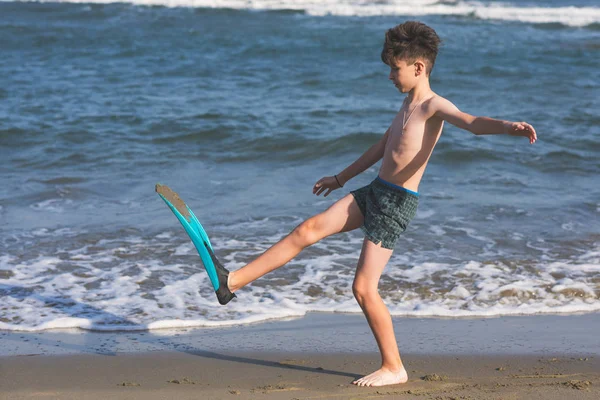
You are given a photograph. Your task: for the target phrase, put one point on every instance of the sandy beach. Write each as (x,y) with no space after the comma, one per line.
(534,357)
(208,375)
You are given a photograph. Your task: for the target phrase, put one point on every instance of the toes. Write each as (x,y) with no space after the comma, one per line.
(374,379)
(361,381)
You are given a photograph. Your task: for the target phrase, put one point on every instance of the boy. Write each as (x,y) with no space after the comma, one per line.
(384,208)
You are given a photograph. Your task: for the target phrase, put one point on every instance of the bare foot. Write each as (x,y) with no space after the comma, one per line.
(382,377)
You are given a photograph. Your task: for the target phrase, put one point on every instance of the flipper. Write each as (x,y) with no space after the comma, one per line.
(216,272)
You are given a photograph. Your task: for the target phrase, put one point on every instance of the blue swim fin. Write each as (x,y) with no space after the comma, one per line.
(216,272)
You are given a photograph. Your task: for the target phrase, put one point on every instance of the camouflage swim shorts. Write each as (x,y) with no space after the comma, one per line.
(387,209)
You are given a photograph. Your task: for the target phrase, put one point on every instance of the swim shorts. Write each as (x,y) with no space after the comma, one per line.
(387,210)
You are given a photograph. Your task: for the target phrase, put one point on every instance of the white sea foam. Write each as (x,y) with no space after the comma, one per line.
(459,292)
(122,284)
(569,16)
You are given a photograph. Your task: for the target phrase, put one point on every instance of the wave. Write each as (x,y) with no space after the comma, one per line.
(297,148)
(428,311)
(568,16)
(128,280)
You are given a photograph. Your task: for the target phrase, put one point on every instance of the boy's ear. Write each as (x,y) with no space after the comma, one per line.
(419,67)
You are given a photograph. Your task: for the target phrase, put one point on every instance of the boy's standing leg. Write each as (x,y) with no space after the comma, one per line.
(372,261)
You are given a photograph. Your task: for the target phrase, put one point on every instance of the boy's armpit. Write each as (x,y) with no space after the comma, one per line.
(385,136)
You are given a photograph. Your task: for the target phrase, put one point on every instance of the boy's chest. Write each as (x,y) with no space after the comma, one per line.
(413,131)
(405,128)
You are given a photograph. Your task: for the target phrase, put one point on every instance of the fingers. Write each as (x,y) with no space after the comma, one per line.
(525,129)
(321,188)
(531,132)
(325,184)
(318,185)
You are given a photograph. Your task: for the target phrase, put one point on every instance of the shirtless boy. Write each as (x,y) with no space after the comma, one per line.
(384,208)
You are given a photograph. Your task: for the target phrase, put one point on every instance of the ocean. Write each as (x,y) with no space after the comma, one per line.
(240,107)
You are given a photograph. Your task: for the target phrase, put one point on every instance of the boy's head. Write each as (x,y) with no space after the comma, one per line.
(411,45)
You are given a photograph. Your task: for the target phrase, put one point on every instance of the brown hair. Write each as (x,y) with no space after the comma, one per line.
(410,41)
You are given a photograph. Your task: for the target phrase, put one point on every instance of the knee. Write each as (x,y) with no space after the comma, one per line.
(364,292)
(307,232)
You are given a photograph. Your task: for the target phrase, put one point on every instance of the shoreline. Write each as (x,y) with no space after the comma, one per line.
(330,333)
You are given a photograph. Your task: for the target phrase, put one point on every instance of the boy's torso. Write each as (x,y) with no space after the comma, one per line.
(407,151)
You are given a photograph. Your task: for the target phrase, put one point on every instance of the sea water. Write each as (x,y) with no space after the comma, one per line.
(240,107)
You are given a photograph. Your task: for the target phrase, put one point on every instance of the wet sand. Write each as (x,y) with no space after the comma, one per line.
(315,357)
(210,375)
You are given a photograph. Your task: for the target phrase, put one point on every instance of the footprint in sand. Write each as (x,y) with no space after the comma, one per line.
(184,381)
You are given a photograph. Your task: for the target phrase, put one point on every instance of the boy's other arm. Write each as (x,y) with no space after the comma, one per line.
(369,157)
(447,111)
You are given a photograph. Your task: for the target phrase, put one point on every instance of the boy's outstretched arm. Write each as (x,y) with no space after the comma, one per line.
(369,157)
(447,111)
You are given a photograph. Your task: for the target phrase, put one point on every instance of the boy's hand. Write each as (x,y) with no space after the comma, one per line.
(328,183)
(521,129)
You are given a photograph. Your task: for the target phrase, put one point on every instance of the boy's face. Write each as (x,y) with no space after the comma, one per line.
(403,75)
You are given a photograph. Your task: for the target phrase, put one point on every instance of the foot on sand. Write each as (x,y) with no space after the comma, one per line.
(382,377)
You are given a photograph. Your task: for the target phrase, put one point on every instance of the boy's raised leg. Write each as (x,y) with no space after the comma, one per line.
(343,216)
(371,263)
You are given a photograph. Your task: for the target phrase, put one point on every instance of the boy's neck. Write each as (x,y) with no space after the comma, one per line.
(419,92)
